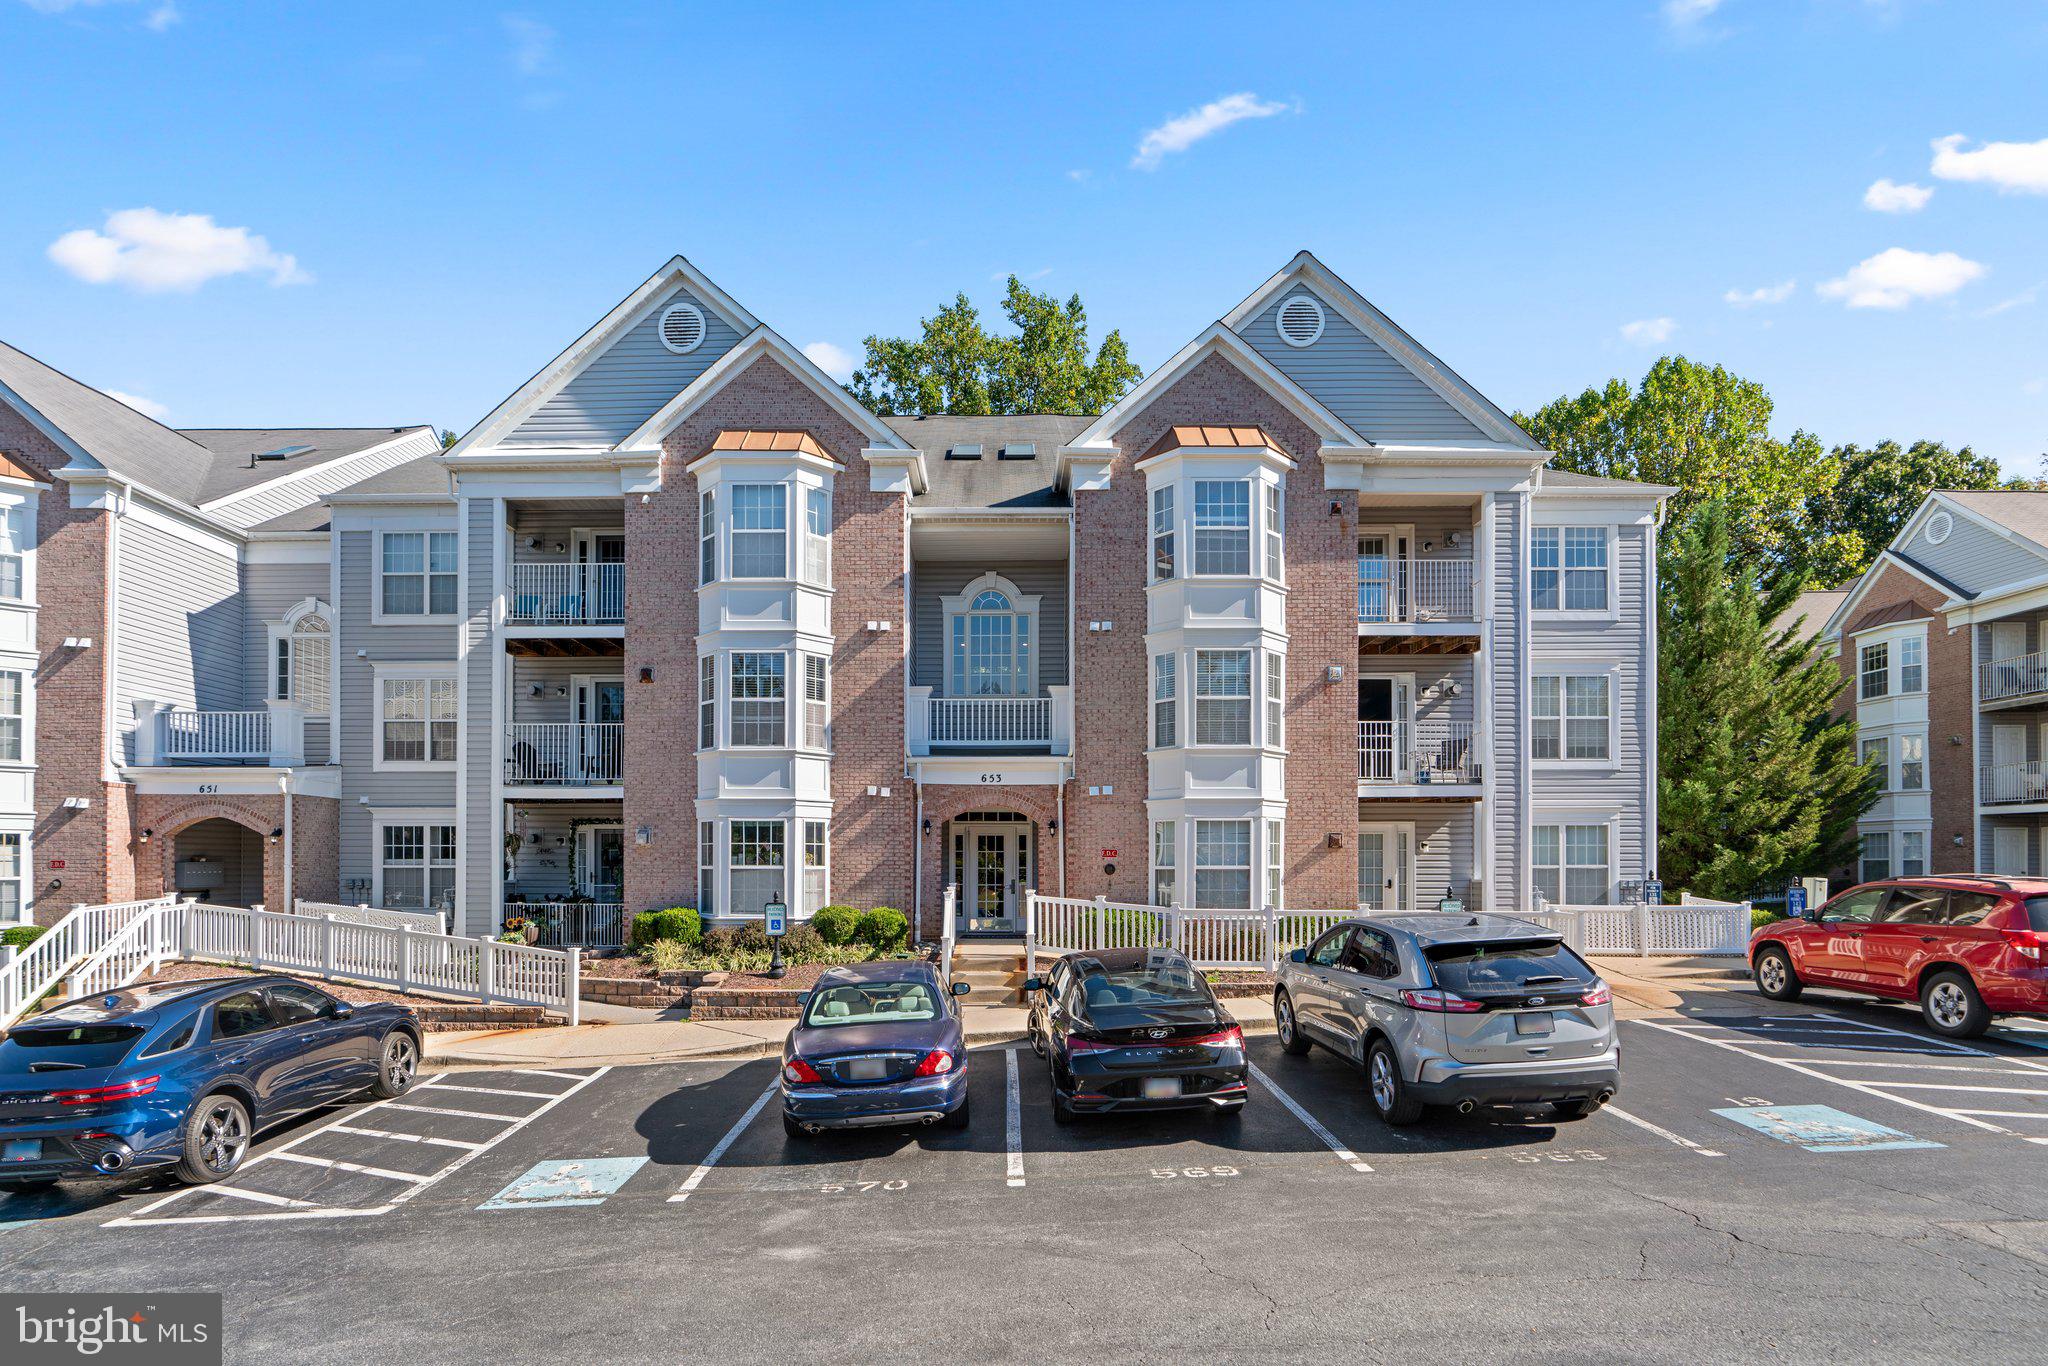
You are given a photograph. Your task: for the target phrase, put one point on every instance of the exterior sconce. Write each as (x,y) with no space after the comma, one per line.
(1052,827)
(533,542)
(1456,689)
(1336,508)
(1451,539)
(647,675)
(561,692)
(641,834)
(276,834)
(927,825)
(1335,673)
(145,836)
(534,690)
(1334,840)
(559,547)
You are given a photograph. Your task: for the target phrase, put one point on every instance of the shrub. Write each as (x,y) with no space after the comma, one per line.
(679,924)
(672,955)
(884,927)
(21,936)
(838,924)
(803,944)
(719,943)
(1760,916)
(752,936)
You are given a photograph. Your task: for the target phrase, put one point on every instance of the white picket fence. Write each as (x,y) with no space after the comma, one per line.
(1255,940)
(31,971)
(434,922)
(1706,928)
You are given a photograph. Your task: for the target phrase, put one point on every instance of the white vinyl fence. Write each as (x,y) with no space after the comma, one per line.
(1696,927)
(31,971)
(1255,940)
(434,922)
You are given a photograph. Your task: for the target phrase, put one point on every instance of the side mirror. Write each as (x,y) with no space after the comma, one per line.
(1032,984)
(962,988)
(803,999)
(343,1011)
(1297,955)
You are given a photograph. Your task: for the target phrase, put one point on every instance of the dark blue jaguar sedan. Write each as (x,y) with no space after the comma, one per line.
(877,1044)
(185,1074)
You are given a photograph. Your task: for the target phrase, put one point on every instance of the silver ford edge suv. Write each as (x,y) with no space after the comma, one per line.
(1459,1010)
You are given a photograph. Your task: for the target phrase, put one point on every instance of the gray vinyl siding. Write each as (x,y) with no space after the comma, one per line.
(551,674)
(1443,846)
(541,869)
(364,789)
(481,859)
(1977,559)
(557,524)
(1430,672)
(307,489)
(1507,736)
(931,584)
(180,628)
(626,385)
(268,592)
(1359,380)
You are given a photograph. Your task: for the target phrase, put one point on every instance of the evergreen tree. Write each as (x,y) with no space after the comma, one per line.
(1758,779)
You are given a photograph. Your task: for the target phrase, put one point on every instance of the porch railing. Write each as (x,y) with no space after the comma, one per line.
(236,735)
(584,924)
(2020,676)
(557,593)
(1418,752)
(2024,782)
(564,753)
(1392,590)
(991,720)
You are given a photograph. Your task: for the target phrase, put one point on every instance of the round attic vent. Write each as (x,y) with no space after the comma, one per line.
(1301,320)
(682,328)
(1938,528)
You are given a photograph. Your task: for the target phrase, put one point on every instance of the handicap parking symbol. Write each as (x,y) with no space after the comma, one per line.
(1821,1128)
(555,1185)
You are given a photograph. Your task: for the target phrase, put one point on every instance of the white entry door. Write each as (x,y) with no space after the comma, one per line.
(991,867)
(2009,850)
(1383,874)
(2008,782)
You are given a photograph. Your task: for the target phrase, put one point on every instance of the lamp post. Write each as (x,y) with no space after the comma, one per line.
(775,916)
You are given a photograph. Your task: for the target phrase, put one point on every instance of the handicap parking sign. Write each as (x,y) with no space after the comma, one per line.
(1795,901)
(776,914)
(1821,1128)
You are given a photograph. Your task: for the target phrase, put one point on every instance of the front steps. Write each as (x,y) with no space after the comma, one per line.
(995,971)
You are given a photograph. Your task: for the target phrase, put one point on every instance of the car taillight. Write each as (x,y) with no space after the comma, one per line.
(99,1095)
(1077,1044)
(2027,943)
(1600,995)
(1441,1001)
(1232,1037)
(936,1063)
(797,1070)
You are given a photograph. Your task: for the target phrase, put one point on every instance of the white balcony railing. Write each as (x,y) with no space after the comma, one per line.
(567,594)
(273,735)
(991,720)
(584,924)
(2020,676)
(2024,782)
(1426,752)
(564,754)
(1392,591)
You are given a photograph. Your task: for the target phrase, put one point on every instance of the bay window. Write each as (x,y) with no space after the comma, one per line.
(1875,863)
(1223,865)
(707,867)
(1875,673)
(1223,697)
(1912,763)
(756,870)
(707,702)
(11,698)
(1276,556)
(816,882)
(13,548)
(1912,664)
(760,531)
(1877,755)
(1275,862)
(1162,533)
(817,714)
(1164,887)
(10,877)
(1276,699)
(1223,526)
(818,536)
(758,700)
(707,538)
(1163,705)
(1912,853)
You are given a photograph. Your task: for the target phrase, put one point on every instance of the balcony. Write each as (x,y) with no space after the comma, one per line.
(1393,592)
(2011,680)
(1418,754)
(564,754)
(2006,784)
(990,725)
(562,593)
(271,736)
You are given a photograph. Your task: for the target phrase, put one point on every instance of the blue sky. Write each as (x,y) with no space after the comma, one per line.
(408,208)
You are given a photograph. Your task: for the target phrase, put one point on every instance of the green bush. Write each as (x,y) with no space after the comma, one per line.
(838,924)
(679,924)
(1760,916)
(803,944)
(21,936)
(718,943)
(884,927)
(752,937)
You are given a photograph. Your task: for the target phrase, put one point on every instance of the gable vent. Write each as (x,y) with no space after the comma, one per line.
(1301,320)
(682,328)
(1938,528)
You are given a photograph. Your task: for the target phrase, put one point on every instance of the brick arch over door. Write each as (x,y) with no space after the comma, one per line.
(945,802)
(315,840)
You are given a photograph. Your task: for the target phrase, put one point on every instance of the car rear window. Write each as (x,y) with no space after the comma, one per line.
(2037,913)
(73,1046)
(1168,984)
(867,1003)
(1478,969)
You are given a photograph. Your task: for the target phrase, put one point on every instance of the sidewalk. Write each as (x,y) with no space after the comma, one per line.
(1657,982)
(611,1044)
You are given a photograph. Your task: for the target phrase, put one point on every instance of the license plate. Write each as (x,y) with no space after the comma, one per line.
(22,1150)
(1162,1088)
(1536,1022)
(865,1069)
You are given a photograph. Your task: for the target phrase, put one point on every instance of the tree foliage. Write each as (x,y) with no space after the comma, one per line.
(1879,487)
(1758,779)
(957,366)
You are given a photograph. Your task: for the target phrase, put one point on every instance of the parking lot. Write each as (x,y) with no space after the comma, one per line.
(1774,1180)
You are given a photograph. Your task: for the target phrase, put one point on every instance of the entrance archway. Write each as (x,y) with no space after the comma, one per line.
(996,844)
(217,860)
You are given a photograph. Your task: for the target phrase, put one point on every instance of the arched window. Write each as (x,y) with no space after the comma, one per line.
(990,627)
(302,655)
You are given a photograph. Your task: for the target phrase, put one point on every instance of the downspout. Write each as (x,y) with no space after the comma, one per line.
(1060,799)
(917,855)
(284,784)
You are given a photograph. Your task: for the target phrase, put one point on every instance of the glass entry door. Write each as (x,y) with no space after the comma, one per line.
(992,870)
(601,862)
(1382,867)
(600,712)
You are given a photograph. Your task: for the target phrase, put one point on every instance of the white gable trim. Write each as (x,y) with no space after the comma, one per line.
(761,342)
(1845,612)
(1445,382)
(656,290)
(1937,500)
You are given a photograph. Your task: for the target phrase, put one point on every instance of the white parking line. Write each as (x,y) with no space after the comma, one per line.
(459,1114)
(1013,1120)
(1659,1130)
(341,1166)
(264,1197)
(1952,1086)
(486,1090)
(711,1158)
(1315,1126)
(542,1072)
(402,1138)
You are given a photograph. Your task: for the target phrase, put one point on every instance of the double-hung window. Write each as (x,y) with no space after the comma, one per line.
(707,867)
(1877,755)
(760,531)
(1912,664)
(1162,533)
(1571,716)
(1223,865)
(1912,853)
(11,698)
(1275,845)
(1276,699)
(417,720)
(758,860)
(1276,555)
(1223,697)
(1223,526)
(1163,886)
(418,574)
(1876,671)
(1568,569)
(304,655)
(13,546)
(1912,763)
(817,712)
(1571,864)
(10,876)
(1876,860)
(707,538)
(818,537)
(1163,704)
(758,699)
(419,866)
(707,702)
(815,861)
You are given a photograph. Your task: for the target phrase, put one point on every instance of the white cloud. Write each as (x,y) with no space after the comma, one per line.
(2011,166)
(1649,331)
(835,361)
(152,251)
(1688,18)
(1179,134)
(1000,276)
(148,407)
(1763,294)
(1896,277)
(533,43)
(2019,300)
(160,17)
(1888,196)
(1078,176)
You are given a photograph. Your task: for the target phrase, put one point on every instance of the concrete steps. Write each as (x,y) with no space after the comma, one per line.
(996,973)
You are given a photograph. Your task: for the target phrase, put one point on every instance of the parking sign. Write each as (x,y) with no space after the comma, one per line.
(777,916)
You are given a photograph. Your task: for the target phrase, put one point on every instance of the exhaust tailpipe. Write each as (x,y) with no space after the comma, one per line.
(1466,1107)
(1605,1096)
(114,1159)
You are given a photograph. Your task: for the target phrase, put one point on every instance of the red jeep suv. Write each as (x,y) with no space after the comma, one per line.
(1966,948)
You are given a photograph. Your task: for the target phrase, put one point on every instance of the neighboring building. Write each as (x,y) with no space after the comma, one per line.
(1945,663)
(1304,620)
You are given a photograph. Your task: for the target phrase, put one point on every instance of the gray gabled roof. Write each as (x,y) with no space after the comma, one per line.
(106,429)
(991,482)
(1814,607)
(425,479)
(2021,510)
(236,468)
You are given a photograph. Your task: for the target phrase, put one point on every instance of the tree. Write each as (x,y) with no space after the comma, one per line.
(1879,488)
(1707,432)
(1758,779)
(958,367)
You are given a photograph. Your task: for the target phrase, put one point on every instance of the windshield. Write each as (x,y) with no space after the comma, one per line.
(1479,969)
(867,1003)
(62,1049)
(1166,984)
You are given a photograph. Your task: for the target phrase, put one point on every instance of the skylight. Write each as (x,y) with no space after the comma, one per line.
(283,452)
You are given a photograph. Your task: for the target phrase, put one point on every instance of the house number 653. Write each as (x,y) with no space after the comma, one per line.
(992,777)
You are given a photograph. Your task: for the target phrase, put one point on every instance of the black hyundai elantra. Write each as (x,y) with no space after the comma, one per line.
(1135,1029)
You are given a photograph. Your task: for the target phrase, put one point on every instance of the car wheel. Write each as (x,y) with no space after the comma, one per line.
(1291,1038)
(1774,975)
(792,1128)
(398,1068)
(1389,1093)
(1576,1109)
(28,1185)
(957,1120)
(217,1136)
(1951,1006)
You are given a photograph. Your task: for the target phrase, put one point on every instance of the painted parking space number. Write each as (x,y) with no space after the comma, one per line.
(1191,1173)
(864,1187)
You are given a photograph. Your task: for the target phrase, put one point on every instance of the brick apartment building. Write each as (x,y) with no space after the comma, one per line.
(1304,620)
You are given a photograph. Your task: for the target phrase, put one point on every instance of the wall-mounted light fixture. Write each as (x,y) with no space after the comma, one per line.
(535,689)
(1452,539)
(647,675)
(1334,840)
(641,834)
(1336,508)
(1052,827)
(927,825)
(533,542)
(276,834)
(145,836)
(1335,673)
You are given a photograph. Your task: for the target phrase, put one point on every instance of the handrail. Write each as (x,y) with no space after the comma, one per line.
(1419,752)
(191,734)
(564,753)
(2016,676)
(1394,590)
(991,720)
(567,593)
(78,936)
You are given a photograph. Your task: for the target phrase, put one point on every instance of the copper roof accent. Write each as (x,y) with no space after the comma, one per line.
(10,470)
(1885,616)
(1215,438)
(769,441)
